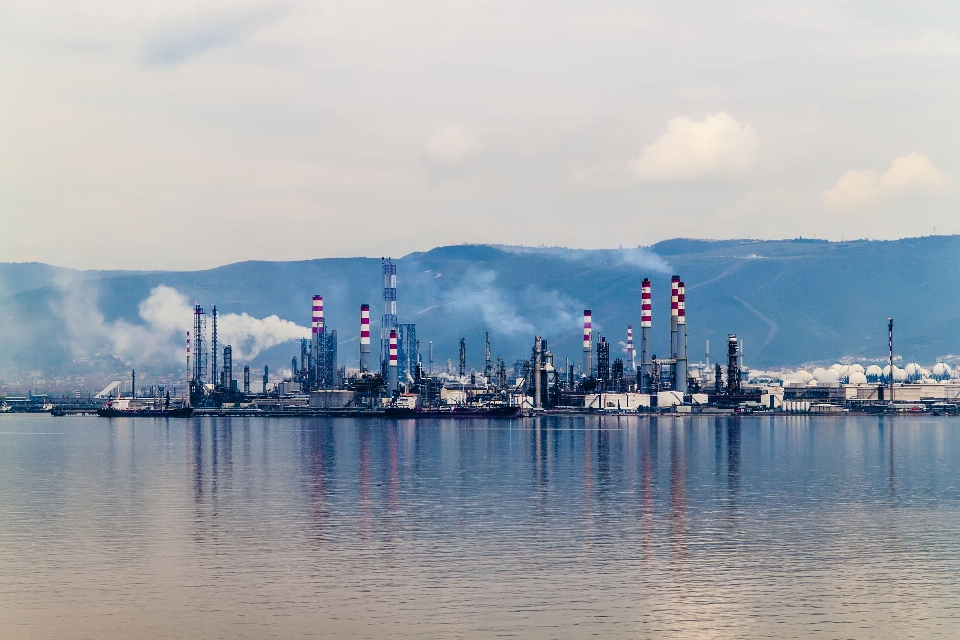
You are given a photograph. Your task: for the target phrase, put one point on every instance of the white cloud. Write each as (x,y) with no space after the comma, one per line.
(452,145)
(909,174)
(688,150)
(718,145)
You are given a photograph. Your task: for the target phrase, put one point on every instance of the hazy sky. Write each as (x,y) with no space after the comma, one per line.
(184,135)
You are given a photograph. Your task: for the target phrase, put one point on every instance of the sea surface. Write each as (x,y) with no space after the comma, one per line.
(845,527)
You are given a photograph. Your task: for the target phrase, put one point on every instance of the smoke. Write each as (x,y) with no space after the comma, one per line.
(249,336)
(167,315)
(479,295)
(639,257)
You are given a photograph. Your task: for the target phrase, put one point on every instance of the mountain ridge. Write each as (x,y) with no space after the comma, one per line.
(791,301)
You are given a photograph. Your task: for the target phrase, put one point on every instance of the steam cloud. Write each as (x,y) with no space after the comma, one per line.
(167,315)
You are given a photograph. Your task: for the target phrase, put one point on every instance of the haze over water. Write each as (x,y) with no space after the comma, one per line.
(557,527)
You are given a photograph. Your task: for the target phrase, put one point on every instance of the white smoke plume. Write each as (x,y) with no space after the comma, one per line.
(167,315)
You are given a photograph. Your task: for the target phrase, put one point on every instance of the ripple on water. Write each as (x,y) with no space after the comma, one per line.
(566,527)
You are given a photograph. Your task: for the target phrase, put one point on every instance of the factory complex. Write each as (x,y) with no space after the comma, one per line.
(404,381)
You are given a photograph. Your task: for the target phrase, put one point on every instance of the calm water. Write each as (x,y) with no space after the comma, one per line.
(568,527)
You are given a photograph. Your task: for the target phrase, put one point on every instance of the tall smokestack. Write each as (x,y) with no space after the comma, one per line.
(646,322)
(674,310)
(587,343)
(537,366)
(317,326)
(389,321)
(890,329)
(681,338)
(630,357)
(392,364)
(364,338)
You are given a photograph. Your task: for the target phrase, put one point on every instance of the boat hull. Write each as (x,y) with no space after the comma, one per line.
(456,412)
(180,412)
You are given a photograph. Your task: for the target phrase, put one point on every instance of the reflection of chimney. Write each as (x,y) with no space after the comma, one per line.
(587,343)
(681,338)
(364,338)
(646,322)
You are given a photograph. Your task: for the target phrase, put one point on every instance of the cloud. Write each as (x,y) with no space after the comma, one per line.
(452,145)
(909,174)
(718,145)
(179,42)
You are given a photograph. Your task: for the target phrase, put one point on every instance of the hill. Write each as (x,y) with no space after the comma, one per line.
(792,301)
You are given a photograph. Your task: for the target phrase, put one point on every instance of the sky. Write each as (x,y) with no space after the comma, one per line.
(186,135)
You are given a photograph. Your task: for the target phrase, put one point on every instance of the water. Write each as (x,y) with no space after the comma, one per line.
(566,527)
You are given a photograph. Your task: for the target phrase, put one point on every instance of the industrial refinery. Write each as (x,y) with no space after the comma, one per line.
(404,380)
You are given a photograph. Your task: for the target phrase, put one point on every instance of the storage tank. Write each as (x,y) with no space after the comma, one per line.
(857,377)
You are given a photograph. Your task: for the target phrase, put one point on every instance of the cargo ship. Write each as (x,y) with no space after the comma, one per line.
(123,408)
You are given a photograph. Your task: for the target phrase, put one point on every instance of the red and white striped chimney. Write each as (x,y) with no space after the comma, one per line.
(681,304)
(364,324)
(364,338)
(587,330)
(681,366)
(646,322)
(646,308)
(630,346)
(674,313)
(587,342)
(317,314)
(392,364)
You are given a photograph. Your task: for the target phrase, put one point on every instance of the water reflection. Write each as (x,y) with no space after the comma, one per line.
(530,528)
(678,493)
(733,458)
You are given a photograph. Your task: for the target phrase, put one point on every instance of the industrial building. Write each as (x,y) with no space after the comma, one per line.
(324,380)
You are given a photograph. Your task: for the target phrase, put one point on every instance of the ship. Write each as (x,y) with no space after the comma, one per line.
(122,408)
(452,412)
